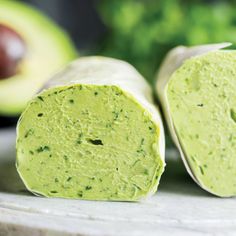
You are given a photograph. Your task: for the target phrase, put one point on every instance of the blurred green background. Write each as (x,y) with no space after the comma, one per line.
(142,31)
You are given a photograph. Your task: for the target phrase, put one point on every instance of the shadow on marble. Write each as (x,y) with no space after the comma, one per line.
(10,181)
(176,180)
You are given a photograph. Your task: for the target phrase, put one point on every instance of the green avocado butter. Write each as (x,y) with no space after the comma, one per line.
(92,133)
(202,104)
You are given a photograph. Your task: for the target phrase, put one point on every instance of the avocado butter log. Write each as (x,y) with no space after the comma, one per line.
(92,133)
(196,87)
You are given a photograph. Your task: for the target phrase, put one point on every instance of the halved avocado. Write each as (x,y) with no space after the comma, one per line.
(32,48)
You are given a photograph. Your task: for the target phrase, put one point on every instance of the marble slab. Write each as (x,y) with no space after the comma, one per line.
(179,208)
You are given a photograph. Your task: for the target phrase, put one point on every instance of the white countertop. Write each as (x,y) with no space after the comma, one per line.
(179,208)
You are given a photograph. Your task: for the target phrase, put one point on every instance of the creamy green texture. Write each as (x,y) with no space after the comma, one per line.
(202,101)
(89,140)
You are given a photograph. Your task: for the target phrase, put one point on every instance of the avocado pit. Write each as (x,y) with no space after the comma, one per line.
(12,51)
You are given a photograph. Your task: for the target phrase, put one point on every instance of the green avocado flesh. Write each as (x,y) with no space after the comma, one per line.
(90,142)
(48,48)
(202,100)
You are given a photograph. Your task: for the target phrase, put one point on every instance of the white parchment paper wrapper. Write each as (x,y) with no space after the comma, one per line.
(171,63)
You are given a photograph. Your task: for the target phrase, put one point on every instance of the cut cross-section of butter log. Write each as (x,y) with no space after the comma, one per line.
(196,87)
(94,133)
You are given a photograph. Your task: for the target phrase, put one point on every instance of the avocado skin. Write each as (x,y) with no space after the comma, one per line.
(30,78)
